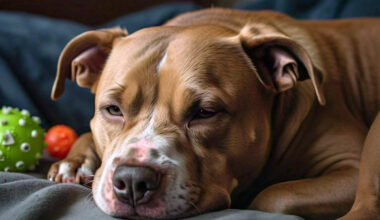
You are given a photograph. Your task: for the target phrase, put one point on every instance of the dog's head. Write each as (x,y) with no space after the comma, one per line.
(182,114)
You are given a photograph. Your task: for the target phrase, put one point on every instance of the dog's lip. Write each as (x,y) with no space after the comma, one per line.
(147,197)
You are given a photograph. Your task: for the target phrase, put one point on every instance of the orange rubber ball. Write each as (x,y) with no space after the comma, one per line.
(60,138)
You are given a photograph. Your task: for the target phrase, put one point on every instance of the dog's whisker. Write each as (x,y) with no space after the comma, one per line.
(89,176)
(195,207)
(89,197)
(88,182)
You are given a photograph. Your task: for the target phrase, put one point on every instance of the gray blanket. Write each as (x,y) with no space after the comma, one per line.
(24,197)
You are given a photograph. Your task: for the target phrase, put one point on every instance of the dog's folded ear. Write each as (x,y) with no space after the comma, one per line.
(280,62)
(83,58)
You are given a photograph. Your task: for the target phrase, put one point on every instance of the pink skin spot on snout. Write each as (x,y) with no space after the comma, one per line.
(141,149)
(143,143)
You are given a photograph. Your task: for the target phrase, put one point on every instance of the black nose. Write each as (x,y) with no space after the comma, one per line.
(132,184)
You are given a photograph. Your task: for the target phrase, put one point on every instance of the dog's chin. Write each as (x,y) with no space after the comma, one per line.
(155,209)
(107,201)
(158,211)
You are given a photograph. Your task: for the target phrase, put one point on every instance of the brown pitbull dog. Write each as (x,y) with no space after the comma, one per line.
(226,108)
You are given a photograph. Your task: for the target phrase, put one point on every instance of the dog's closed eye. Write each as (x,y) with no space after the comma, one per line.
(114,110)
(203,114)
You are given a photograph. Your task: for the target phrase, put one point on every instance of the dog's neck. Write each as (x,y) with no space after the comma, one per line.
(290,111)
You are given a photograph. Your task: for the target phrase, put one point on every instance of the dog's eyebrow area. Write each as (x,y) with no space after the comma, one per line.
(115,93)
(129,97)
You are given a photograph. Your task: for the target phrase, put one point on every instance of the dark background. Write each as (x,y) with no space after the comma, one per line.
(89,12)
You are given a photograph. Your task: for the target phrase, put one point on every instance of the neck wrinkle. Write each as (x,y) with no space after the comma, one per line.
(289,113)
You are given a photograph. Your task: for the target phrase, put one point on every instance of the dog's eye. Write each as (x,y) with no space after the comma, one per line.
(203,113)
(114,110)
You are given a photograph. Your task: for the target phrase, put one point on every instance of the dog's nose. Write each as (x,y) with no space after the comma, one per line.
(132,184)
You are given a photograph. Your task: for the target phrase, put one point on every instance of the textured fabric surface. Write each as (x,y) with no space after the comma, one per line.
(29,49)
(24,197)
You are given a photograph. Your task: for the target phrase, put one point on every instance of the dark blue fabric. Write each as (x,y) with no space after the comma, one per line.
(30,46)
(29,51)
(317,9)
(151,17)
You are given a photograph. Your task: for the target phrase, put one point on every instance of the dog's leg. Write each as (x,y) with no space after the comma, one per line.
(367,201)
(325,197)
(80,164)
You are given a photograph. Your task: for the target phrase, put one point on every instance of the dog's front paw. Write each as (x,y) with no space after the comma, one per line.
(73,170)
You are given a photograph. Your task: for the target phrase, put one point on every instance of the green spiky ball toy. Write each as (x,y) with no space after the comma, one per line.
(21,140)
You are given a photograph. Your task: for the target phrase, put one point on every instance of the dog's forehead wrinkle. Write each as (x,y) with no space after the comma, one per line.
(146,40)
(140,54)
(203,59)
